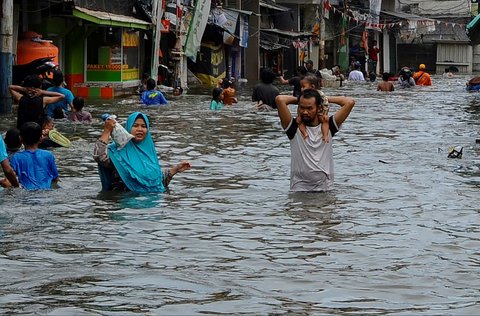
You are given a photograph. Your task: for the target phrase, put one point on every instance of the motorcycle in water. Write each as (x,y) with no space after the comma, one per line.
(40,67)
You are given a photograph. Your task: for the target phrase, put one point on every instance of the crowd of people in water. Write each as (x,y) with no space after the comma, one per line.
(266,90)
(25,151)
(127,157)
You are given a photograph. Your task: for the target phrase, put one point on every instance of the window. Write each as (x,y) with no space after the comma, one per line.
(112,54)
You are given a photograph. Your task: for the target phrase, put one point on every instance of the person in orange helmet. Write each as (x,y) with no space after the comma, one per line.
(421,77)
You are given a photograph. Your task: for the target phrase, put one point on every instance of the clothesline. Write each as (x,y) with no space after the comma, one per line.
(427,22)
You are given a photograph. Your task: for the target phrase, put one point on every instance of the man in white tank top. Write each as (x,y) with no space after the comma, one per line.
(311,157)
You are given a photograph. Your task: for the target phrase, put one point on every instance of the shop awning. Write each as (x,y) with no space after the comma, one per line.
(244,12)
(272,5)
(406,16)
(109,19)
(288,33)
(271,46)
(473,30)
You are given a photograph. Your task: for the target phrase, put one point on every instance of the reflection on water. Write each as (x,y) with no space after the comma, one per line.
(398,233)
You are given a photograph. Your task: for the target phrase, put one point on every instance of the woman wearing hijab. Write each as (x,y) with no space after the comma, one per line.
(134,167)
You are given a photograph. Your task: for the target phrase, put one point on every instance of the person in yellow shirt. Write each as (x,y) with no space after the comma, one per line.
(421,77)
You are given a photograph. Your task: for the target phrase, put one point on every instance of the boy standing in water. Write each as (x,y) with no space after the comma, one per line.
(35,168)
(77,114)
(152,96)
(12,141)
(385,85)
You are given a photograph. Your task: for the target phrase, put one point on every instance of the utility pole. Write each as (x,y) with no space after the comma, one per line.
(343,58)
(322,35)
(6,55)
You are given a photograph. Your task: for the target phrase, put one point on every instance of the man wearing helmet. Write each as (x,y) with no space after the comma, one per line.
(421,77)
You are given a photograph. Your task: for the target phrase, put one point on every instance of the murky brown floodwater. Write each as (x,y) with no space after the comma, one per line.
(400,237)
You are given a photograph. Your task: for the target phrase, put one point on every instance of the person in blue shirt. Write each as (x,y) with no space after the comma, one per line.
(35,168)
(152,96)
(60,109)
(11,178)
(217,99)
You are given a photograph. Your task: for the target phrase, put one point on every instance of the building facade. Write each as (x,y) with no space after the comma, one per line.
(101,45)
(104,47)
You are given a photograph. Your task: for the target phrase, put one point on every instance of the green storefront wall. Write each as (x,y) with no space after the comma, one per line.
(75,51)
(74,57)
(104,75)
(69,36)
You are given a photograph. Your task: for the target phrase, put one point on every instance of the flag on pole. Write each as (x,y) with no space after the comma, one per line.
(326,9)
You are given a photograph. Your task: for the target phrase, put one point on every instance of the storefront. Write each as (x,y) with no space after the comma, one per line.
(112,49)
(112,55)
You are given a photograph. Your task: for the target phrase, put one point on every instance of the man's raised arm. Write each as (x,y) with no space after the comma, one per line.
(346,106)
(16,92)
(282,102)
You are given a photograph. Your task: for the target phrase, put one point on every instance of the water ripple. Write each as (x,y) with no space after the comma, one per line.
(397,235)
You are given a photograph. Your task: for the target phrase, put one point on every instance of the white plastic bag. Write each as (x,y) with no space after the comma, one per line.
(119,134)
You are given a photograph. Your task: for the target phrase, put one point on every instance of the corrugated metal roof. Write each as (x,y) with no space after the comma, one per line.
(271,46)
(122,7)
(272,5)
(288,33)
(243,11)
(406,16)
(106,18)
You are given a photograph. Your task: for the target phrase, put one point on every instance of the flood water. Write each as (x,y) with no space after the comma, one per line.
(399,233)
